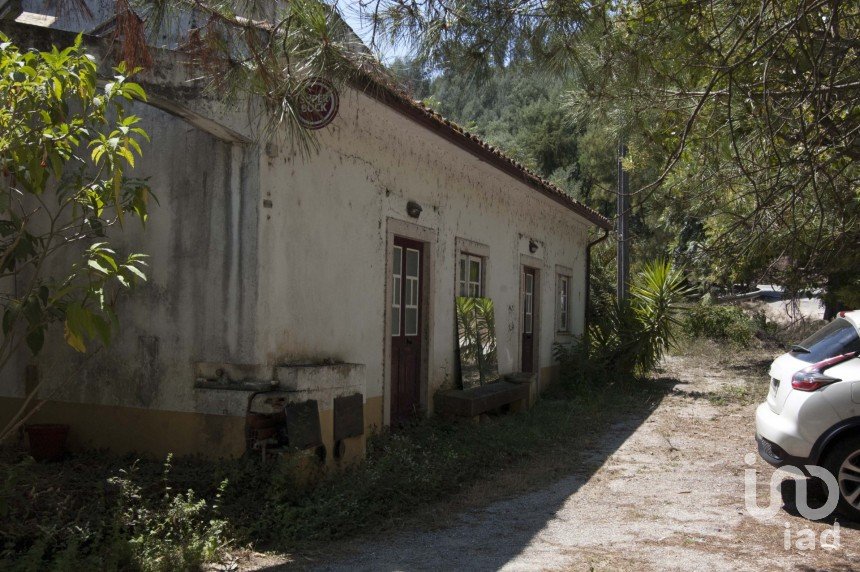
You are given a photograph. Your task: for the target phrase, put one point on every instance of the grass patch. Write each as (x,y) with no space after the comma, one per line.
(750,392)
(93,512)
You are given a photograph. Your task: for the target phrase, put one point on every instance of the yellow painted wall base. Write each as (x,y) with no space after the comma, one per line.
(148,431)
(548,376)
(152,432)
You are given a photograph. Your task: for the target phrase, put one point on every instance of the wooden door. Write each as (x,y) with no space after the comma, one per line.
(528,287)
(407,265)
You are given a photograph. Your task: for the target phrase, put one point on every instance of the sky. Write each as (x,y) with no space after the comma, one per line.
(349,9)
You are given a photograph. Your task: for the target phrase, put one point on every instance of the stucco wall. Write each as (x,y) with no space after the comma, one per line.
(324,228)
(261,256)
(199,303)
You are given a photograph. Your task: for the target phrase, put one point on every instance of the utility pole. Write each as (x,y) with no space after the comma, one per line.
(622,229)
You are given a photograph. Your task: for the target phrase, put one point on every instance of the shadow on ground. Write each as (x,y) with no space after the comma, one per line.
(488,538)
(817,497)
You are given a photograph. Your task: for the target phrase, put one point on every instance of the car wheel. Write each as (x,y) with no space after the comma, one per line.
(844,463)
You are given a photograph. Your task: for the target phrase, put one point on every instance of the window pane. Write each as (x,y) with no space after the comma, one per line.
(414,288)
(411,262)
(398,257)
(395,286)
(411,321)
(474,270)
(836,338)
(395,321)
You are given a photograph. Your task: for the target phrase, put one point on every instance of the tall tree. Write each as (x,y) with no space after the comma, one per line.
(748,111)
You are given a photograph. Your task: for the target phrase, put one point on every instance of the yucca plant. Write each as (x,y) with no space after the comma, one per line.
(657,291)
(632,337)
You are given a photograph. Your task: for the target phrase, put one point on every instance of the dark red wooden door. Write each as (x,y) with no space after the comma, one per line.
(406,325)
(529,280)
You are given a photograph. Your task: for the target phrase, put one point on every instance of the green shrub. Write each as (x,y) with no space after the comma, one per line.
(176,531)
(630,337)
(77,523)
(720,323)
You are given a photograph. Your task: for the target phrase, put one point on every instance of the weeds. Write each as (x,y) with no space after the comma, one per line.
(416,467)
(107,517)
(175,531)
(746,394)
(78,521)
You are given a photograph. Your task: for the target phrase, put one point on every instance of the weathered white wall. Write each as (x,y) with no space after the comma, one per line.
(199,301)
(264,257)
(323,259)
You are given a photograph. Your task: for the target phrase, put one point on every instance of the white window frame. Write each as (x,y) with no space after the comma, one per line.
(563,303)
(469,252)
(396,302)
(410,303)
(529,301)
(465,285)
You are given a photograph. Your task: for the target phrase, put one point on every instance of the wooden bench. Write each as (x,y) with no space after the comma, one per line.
(477,400)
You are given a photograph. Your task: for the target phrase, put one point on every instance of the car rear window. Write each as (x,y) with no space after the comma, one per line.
(836,338)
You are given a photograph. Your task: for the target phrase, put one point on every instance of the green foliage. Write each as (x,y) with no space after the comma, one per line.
(476,340)
(720,323)
(66,147)
(117,523)
(632,336)
(740,117)
(176,532)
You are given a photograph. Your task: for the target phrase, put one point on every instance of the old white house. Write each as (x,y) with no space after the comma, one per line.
(280,278)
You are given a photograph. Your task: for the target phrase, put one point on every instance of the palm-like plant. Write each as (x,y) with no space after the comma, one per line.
(657,292)
(635,334)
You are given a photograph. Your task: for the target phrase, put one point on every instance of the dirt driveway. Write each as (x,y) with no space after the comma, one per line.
(657,493)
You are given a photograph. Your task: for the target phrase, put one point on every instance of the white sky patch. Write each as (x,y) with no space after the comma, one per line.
(350,11)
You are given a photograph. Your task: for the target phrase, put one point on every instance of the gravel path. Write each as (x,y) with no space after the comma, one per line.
(661,493)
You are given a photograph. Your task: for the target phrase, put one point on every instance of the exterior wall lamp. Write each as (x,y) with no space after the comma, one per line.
(413,209)
(533,246)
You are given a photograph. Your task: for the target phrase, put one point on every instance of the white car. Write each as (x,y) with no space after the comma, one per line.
(812,413)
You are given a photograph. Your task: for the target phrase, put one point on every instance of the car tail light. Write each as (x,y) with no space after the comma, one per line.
(813,378)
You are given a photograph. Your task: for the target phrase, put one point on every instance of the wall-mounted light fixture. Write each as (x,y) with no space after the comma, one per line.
(413,209)
(533,246)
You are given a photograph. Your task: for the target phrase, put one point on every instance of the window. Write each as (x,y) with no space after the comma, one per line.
(397,275)
(410,296)
(836,338)
(528,300)
(563,303)
(470,276)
